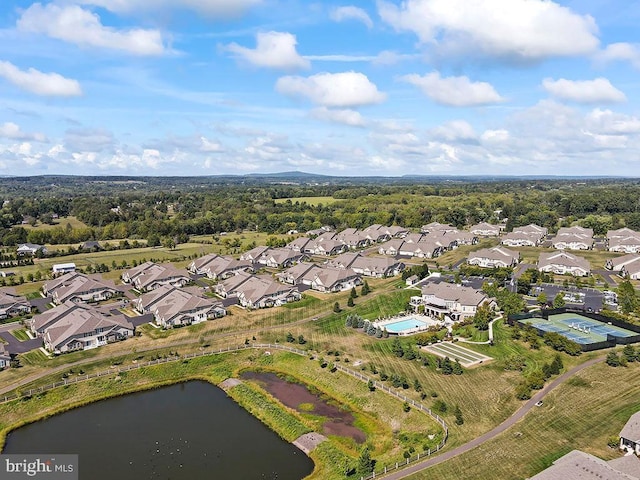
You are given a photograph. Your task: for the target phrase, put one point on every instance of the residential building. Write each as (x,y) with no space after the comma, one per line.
(368,266)
(626,266)
(328,247)
(437,227)
(449,299)
(257,291)
(254,254)
(149,276)
(77,287)
(421,249)
(391,248)
(281,257)
(494,257)
(526,236)
(300,274)
(12,305)
(217,267)
(484,229)
(630,434)
(5,358)
(172,307)
(91,245)
(30,249)
(579,465)
(563,263)
(573,238)
(300,244)
(335,280)
(69,327)
(623,240)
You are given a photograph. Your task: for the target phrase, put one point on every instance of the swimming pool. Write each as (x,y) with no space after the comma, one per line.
(406,324)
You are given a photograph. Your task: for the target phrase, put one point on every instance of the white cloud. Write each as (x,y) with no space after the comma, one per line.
(454,91)
(340,14)
(344,116)
(35,81)
(81,27)
(620,52)
(13,131)
(342,90)
(598,90)
(610,123)
(499,135)
(455,130)
(208,146)
(273,50)
(525,30)
(213,8)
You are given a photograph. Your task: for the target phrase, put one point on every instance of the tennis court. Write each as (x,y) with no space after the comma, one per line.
(454,351)
(577,328)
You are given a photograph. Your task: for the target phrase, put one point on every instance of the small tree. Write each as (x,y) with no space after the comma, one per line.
(336,307)
(365,290)
(396,347)
(371,386)
(301,340)
(629,353)
(353,293)
(350,302)
(406,407)
(542,299)
(558,300)
(458,414)
(365,463)
(290,337)
(613,360)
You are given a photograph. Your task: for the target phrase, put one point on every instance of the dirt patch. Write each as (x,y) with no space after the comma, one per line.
(339,422)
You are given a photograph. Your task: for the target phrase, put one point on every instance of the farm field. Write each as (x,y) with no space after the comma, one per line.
(580,414)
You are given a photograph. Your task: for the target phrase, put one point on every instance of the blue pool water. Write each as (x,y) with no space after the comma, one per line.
(402,325)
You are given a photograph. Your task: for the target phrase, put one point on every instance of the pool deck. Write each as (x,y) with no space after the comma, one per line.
(428,321)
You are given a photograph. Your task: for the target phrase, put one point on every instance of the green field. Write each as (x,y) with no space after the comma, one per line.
(60,222)
(313,201)
(581,414)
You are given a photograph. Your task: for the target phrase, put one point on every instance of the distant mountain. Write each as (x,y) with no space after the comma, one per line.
(294,174)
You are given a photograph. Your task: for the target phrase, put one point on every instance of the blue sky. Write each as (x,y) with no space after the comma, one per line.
(205,87)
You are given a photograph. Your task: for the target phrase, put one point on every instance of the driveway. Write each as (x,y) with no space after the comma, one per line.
(42,304)
(608,276)
(15,346)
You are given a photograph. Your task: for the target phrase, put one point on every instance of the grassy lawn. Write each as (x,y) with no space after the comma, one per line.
(313,201)
(581,414)
(235,243)
(20,334)
(60,222)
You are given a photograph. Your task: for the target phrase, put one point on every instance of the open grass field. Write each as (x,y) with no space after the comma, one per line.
(60,222)
(160,254)
(313,201)
(581,414)
(453,256)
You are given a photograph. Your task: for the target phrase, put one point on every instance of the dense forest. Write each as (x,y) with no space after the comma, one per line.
(150,208)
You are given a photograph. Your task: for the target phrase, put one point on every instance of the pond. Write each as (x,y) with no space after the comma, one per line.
(294,395)
(187,431)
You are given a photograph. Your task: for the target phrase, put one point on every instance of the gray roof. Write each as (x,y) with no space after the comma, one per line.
(563,258)
(496,253)
(629,464)
(453,292)
(577,465)
(631,431)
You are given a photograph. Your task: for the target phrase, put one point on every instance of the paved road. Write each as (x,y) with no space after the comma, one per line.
(15,346)
(509,422)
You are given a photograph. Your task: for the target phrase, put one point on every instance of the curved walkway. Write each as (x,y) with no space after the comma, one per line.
(488,342)
(509,422)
